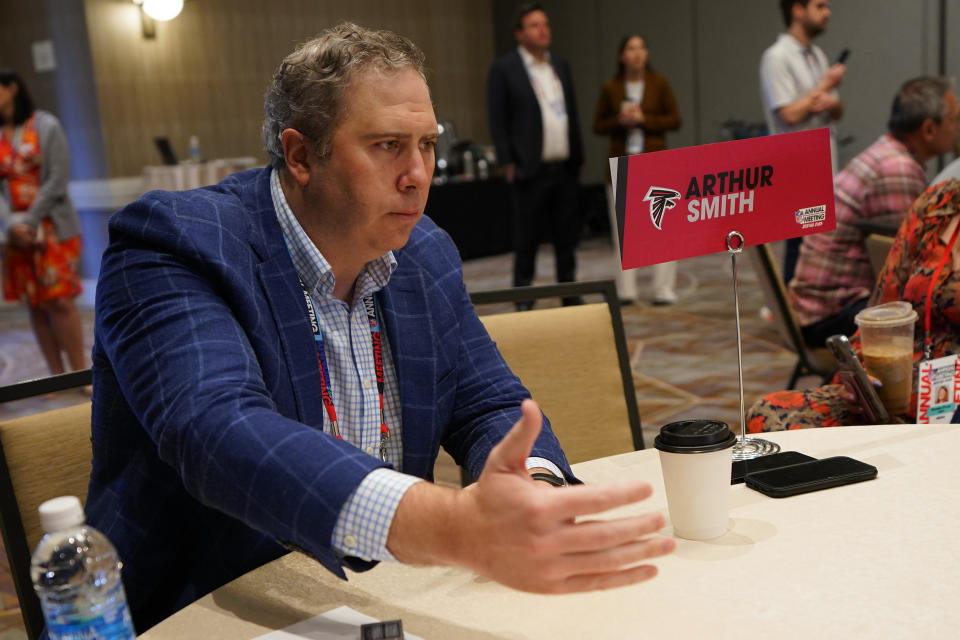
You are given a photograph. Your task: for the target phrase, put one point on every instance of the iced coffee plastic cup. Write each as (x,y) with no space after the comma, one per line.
(886,334)
(696,462)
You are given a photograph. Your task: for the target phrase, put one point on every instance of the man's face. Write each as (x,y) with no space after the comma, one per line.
(534,34)
(945,133)
(369,193)
(815,16)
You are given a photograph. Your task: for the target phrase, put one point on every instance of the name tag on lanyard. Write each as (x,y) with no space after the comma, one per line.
(554,99)
(938,390)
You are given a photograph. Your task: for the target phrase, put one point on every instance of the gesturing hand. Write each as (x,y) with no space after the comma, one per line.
(530,539)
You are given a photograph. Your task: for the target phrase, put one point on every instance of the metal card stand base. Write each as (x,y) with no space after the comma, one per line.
(745,448)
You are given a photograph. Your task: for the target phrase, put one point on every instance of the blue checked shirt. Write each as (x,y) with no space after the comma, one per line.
(364,522)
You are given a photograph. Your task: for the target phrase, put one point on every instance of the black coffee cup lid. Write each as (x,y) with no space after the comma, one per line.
(694,436)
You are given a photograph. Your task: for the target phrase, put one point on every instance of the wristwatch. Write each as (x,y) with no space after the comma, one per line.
(550,478)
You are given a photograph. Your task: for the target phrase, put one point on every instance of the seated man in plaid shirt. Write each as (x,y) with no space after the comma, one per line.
(834,278)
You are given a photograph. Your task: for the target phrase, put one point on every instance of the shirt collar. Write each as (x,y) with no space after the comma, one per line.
(314,270)
(793,42)
(889,140)
(528,59)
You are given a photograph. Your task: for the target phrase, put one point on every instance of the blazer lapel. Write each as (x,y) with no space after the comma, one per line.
(523,80)
(280,285)
(411,335)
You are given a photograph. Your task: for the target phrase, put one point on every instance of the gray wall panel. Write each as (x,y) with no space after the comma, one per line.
(890,41)
(711,51)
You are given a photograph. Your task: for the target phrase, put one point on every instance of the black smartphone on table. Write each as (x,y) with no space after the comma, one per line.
(855,378)
(810,476)
(764,463)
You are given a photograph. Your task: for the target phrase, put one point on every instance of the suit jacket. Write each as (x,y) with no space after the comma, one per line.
(660,113)
(514,115)
(208,454)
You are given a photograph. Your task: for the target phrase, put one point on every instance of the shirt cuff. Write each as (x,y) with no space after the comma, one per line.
(364,521)
(533,463)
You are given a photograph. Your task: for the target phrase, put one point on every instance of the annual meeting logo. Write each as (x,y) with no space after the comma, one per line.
(713,195)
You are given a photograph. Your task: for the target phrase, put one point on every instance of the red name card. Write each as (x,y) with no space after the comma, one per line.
(684,202)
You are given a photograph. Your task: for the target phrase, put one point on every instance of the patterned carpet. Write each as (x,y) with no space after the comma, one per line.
(683,356)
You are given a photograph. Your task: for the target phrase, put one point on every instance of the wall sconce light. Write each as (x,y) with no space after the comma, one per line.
(153,11)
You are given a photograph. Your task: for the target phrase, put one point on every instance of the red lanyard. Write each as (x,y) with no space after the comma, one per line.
(370,305)
(927,346)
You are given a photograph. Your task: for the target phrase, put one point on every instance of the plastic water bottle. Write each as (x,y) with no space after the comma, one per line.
(76,574)
(196,155)
(468,167)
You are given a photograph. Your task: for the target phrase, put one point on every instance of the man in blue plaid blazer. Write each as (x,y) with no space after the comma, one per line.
(213,449)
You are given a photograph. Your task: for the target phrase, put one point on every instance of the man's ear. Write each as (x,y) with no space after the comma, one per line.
(794,15)
(928,130)
(298,154)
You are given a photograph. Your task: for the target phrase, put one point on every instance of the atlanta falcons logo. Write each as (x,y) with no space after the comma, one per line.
(660,199)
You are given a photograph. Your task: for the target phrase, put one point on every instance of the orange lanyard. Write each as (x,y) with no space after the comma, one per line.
(370,305)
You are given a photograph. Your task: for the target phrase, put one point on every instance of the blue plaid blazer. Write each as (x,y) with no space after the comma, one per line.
(208,455)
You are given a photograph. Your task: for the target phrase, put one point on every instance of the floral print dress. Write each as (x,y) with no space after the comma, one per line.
(38,274)
(917,250)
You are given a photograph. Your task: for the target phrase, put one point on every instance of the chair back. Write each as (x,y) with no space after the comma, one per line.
(574,362)
(809,361)
(878,246)
(42,456)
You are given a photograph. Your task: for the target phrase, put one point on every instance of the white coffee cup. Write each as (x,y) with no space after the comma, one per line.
(696,463)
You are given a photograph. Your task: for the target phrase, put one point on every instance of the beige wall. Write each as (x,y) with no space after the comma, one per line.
(206,71)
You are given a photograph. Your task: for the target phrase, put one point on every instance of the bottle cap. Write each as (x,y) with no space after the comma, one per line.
(61,513)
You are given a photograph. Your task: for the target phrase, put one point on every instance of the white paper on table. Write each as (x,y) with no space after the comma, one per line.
(342,623)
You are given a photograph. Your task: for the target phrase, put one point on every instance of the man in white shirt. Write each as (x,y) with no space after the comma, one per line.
(798,84)
(536,133)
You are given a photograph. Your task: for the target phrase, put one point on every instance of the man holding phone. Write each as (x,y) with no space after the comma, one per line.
(798,86)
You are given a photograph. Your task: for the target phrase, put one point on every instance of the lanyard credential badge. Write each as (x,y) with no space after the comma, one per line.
(938,390)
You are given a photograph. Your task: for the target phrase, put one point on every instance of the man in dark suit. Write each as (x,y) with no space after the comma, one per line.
(279,357)
(536,133)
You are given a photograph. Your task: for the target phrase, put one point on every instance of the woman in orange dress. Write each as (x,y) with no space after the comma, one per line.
(39,228)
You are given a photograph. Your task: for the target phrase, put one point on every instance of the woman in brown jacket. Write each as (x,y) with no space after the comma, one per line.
(636,108)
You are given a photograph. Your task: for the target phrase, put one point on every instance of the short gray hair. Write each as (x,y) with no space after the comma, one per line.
(307,90)
(919,99)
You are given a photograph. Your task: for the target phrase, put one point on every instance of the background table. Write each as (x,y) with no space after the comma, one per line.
(877,559)
(478,215)
(193,175)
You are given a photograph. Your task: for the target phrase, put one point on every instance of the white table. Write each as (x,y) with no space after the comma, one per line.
(192,175)
(877,559)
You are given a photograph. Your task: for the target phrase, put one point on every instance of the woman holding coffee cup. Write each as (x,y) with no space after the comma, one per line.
(636,108)
(925,252)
